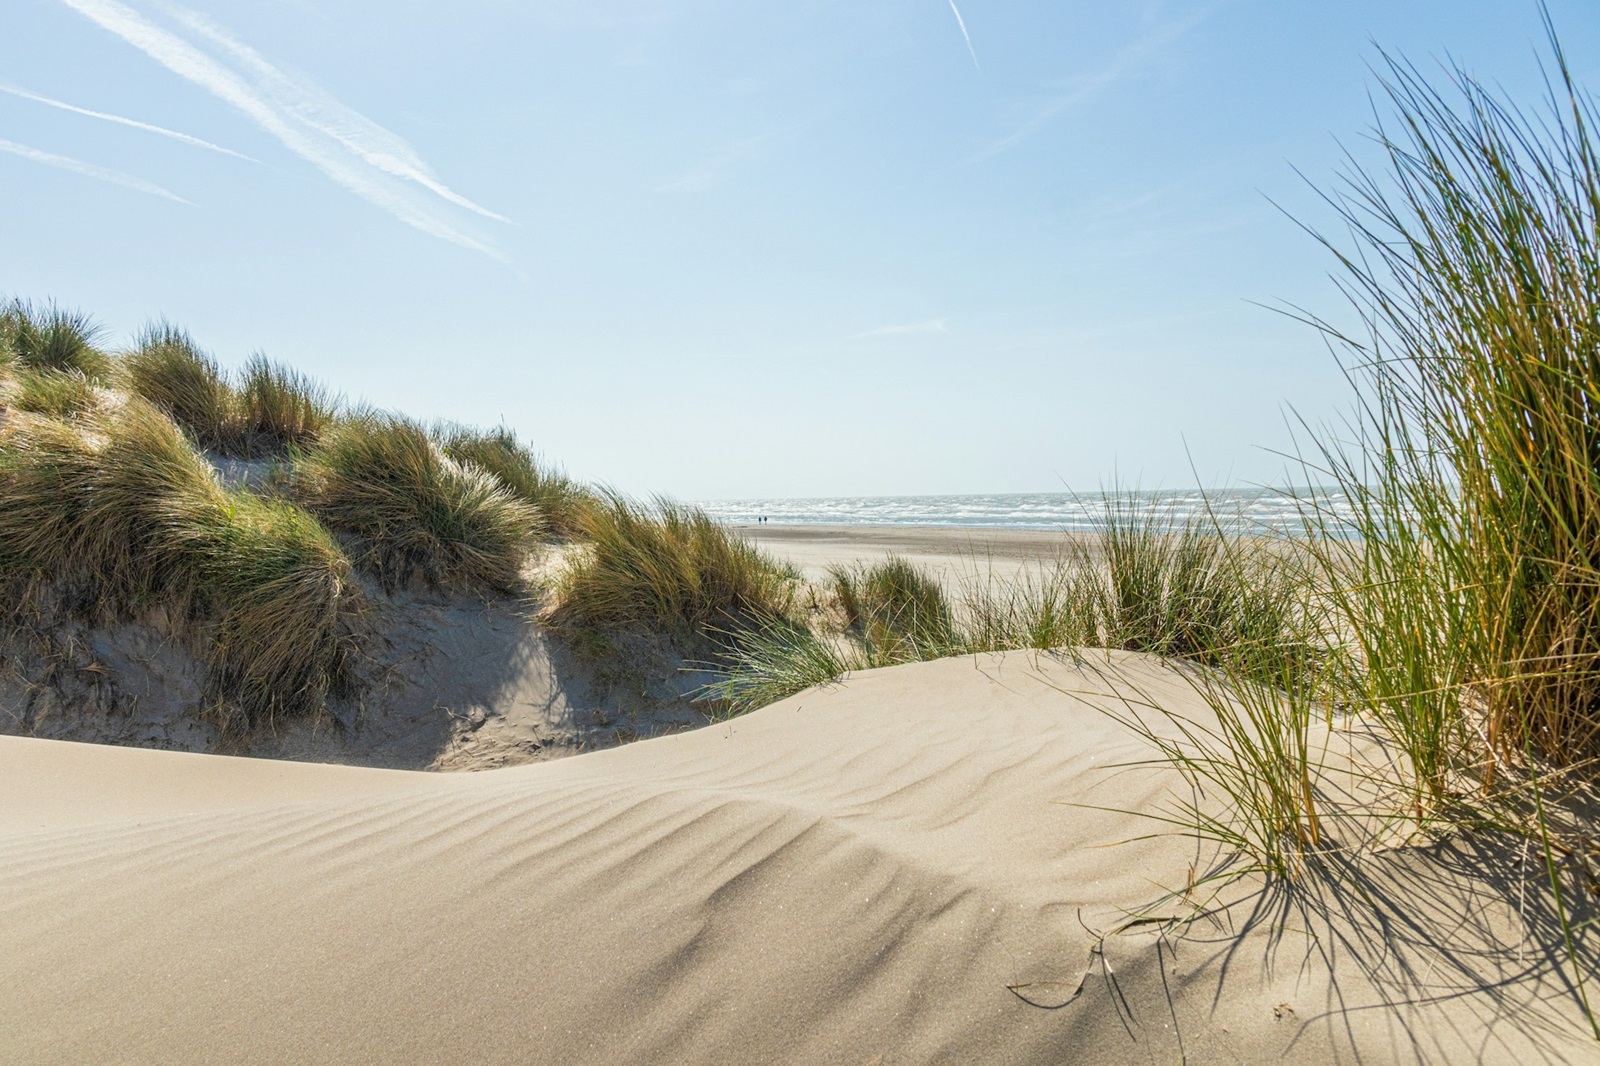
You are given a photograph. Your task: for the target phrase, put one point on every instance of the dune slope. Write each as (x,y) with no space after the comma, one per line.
(891,870)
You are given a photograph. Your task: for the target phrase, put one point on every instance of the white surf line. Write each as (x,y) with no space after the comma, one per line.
(122,121)
(313,105)
(89,170)
(307,140)
(966,36)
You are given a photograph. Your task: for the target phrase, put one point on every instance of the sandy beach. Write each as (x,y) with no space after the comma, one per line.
(898,869)
(951,551)
(526,568)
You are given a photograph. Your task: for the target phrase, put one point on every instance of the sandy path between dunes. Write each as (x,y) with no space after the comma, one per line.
(896,869)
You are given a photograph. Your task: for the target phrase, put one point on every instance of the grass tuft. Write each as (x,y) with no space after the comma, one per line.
(57,393)
(1191,590)
(896,610)
(559,500)
(280,409)
(668,568)
(171,372)
(767,663)
(120,514)
(413,512)
(49,337)
(281,608)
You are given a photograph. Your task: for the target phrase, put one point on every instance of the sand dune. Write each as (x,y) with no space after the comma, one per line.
(890,870)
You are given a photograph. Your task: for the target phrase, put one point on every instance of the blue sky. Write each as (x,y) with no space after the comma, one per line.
(722,249)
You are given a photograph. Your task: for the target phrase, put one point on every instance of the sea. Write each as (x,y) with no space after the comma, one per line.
(1264,510)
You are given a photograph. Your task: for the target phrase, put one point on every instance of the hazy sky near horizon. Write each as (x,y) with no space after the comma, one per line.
(720,249)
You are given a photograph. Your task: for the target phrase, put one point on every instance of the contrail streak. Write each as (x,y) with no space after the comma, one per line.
(121,121)
(295,123)
(965,35)
(312,105)
(89,170)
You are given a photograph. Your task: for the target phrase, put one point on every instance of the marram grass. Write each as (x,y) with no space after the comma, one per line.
(110,508)
(895,609)
(122,514)
(1477,473)
(49,337)
(58,393)
(410,511)
(281,606)
(167,369)
(280,409)
(671,569)
(558,499)
(1473,459)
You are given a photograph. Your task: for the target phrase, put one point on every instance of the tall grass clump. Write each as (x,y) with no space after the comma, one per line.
(766,663)
(1190,589)
(668,568)
(1461,603)
(557,497)
(1474,467)
(1047,608)
(167,369)
(896,610)
(410,511)
(120,514)
(279,409)
(890,612)
(281,608)
(1138,582)
(50,337)
(89,508)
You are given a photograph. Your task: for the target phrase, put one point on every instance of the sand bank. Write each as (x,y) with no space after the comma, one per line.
(909,867)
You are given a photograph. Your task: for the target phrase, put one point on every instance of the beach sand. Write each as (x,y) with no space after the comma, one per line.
(913,866)
(952,552)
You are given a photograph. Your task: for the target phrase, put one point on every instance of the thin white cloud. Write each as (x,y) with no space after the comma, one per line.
(89,170)
(1127,62)
(932,325)
(121,121)
(311,104)
(965,35)
(355,152)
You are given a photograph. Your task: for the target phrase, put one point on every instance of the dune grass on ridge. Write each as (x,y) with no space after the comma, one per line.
(558,499)
(410,510)
(271,411)
(670,569)
(167,369)
(49,337)
(124,515)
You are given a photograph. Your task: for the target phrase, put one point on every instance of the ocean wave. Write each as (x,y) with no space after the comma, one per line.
(1265,510)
